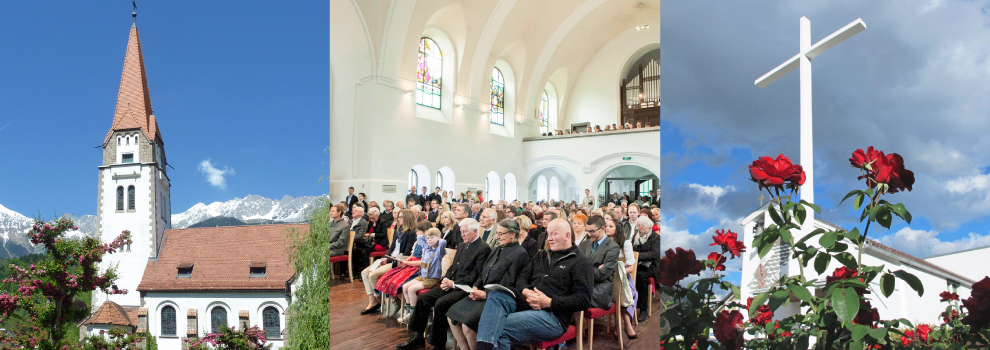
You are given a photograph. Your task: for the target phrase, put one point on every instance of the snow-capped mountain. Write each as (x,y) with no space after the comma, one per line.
(251,208)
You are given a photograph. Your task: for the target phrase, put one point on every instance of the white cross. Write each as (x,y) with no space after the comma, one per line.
(803,60)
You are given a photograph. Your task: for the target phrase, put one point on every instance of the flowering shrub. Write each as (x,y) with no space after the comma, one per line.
(231,338)
(46,291)
(955,332)
(118,339)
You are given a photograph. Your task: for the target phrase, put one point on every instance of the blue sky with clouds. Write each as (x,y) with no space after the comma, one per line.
(240,91)
(914,82)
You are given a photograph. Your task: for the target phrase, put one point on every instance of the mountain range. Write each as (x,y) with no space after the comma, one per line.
(251,209)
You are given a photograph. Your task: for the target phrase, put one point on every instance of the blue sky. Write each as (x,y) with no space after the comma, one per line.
(914,83)
(243,85)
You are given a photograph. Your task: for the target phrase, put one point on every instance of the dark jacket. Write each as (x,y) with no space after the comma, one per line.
(468,262)
(361,236)
(649,254)
(380,231)
(338,234)
(415,198)
(405,240)
(386,219)
(454,238)
(606,255)
(531,246)
(564,276)
(351,199)
(503,267)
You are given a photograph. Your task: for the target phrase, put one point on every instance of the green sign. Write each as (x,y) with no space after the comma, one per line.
(626,158)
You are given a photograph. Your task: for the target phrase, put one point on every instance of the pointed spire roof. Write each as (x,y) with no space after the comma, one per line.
(133,99)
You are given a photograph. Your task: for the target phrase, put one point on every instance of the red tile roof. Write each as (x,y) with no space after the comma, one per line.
(133,99)
(221,259)
(111,313)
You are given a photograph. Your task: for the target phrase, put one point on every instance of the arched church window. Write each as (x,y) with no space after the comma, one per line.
(218,319)
(544,114)
(429,74)
(497,112)
(120,197)
(270,320)
(439,180)
(118,140)
(168,321)
(413,179)
(130,197)
(488,188)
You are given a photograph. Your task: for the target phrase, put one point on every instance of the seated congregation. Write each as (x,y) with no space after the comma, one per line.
(497,275)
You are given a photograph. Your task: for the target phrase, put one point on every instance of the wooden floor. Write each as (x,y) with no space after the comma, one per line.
(350,330)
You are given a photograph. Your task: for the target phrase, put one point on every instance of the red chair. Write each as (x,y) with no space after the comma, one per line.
(421,291)
(649,302)
(344,258)
(374,255)
(570,333)
(592,313)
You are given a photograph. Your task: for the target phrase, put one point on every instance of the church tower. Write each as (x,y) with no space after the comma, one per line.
(133,182)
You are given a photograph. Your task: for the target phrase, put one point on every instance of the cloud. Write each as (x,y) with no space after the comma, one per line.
(922,243)
(215,176)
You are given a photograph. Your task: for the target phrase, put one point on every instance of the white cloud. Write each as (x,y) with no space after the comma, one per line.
(966,184)
(215,176)
(922,243)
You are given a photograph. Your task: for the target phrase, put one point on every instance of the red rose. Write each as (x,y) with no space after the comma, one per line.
(841,273)
(777,173)
(719,261)
(786,334)
(923,331)
(728,329)
(749,303)
(861,159)
(729,242)
(867,314)
(763,315)
(676,265)
(978,306)
(946,296)
(948,317)
(907,338)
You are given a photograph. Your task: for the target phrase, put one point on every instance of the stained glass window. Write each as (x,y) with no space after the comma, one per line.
(168,321)
(273,327)
(120,197)
(130,197)
(497,112)
(218,319)
(429,74)
(544,114)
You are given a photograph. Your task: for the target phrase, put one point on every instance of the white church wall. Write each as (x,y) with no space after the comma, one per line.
(129,263)
(973,264)
(589,158)
(594,97)
(203,302)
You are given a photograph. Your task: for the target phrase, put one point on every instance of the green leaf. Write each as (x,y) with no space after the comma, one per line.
(901,212)
(735,290)
(850,194)
(847,259)
(856,344)
(800,292)
(802,342)
(775,216)
(757,301)
(673,317)
(873,213)
(839,247)
(858,332)
(911,280)
(905,321)
(765,248)
(821,262)
(878,333)
(854,235)
(800,213)
(778,298)
(828,239)
(813,206)
(786,235)
(845,301)
(811,234)
(858,202)
(883,217)
(887,285)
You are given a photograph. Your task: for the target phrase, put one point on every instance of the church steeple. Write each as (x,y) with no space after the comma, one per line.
(133,99)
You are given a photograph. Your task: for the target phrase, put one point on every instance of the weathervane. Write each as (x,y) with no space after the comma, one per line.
(134,14)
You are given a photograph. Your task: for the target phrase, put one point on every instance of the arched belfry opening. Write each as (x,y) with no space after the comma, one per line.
(640,91)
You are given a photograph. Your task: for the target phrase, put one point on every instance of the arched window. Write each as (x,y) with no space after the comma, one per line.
(118,140)
(218,319)
(497,112)
(120,197)
(488,189)
(440,180)
(545,114)
(270,320)
(429,74)
(168,321)
(413,180)
(130,197)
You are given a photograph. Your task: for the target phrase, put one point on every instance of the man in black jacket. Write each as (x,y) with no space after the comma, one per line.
(386,218)
(554,286)
(412,196)
(464,270)
(351,199)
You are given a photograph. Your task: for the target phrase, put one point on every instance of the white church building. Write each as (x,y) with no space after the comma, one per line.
(181,284)
(458,95)
(759,275)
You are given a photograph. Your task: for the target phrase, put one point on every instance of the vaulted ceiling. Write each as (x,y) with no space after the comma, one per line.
(541,40)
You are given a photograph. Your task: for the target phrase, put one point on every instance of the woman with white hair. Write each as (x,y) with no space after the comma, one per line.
(648,245)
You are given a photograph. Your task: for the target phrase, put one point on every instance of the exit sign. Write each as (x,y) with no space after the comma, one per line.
(626,158)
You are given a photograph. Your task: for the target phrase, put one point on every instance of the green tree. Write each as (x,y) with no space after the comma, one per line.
(309,324)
